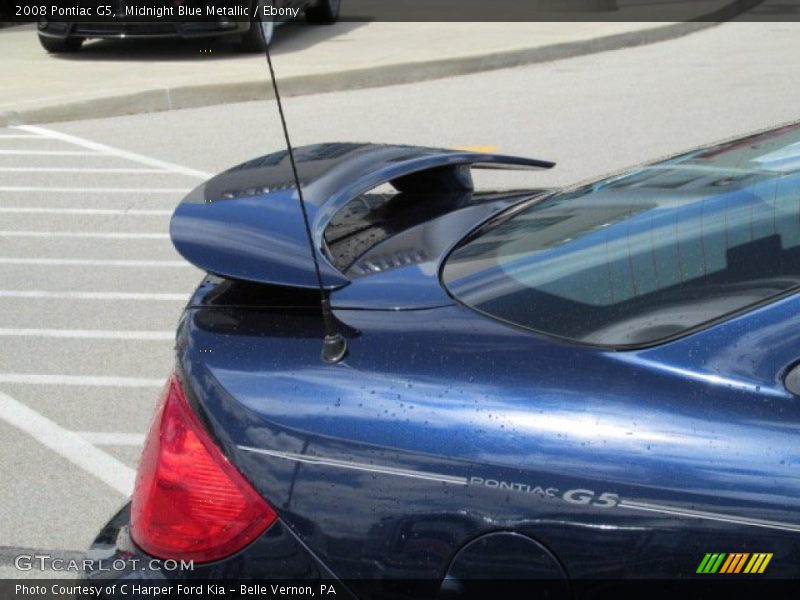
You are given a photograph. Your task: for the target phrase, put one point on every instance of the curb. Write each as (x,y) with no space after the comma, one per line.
(192,96)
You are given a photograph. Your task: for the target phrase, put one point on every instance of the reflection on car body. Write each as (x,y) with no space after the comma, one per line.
(620,347)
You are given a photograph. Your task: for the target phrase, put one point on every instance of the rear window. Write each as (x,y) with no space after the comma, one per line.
(646,257)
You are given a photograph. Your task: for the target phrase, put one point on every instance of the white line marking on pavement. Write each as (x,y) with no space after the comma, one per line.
(94,334)
(102,438)
(81,380)
(81,262)
(109,150)
(69,445)
(86,234)
(9,151)
(93,295)
(94,190)
(82,170)
(19,136)
(133,212)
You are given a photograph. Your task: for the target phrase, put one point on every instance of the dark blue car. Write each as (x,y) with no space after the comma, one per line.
(563,389)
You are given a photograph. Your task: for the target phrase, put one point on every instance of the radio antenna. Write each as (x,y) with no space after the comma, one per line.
(334,346)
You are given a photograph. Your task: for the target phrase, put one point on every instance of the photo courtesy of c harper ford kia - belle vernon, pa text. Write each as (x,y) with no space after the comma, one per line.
(399,299)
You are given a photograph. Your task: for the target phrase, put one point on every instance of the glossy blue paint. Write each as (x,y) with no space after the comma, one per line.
(246,222)
(442,426)
(476,399)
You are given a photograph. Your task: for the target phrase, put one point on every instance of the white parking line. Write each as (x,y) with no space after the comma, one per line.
(102,438)
(68,444)
(133,212)
(82,170)
(80,447)
(94,334)
(86,262)
(92,190)
(111,151)
(93,295)
(81,380)
(85,234)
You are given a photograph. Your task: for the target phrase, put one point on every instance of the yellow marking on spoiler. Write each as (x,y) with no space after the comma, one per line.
(484,149)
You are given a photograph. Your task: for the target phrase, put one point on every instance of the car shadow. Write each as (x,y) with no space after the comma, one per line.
(290,37)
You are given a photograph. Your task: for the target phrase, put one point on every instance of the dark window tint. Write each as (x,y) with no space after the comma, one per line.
(645,257)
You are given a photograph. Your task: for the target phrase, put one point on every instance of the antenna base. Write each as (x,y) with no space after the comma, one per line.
(334,348)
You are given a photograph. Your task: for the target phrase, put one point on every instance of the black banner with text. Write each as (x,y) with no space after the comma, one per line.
(125,12)
(707,588)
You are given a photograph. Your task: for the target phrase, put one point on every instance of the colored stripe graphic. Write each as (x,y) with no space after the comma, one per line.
(711,562)
(735,562)
(717,563)
(703,563)
(754,563)
(758,563)
(721,562)
(728,562)
(764,564)
(741,562)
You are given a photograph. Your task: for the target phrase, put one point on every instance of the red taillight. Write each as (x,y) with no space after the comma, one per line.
(190,502)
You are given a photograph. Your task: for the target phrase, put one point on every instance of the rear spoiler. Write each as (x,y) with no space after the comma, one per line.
(245,223)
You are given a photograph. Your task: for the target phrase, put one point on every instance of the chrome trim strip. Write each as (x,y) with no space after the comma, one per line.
(426,475)
(356,466)
(711,516)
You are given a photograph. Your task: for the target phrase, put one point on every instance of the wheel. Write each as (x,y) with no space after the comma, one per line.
(259,36)
(58,45)
(324,11)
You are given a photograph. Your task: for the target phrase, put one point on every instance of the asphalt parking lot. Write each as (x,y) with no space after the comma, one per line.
(83,248)
(91,288)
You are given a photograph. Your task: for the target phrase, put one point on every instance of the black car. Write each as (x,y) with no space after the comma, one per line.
(121,20)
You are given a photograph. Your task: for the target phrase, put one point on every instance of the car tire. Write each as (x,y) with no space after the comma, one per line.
(259,36)
(60,45)
(324,11)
